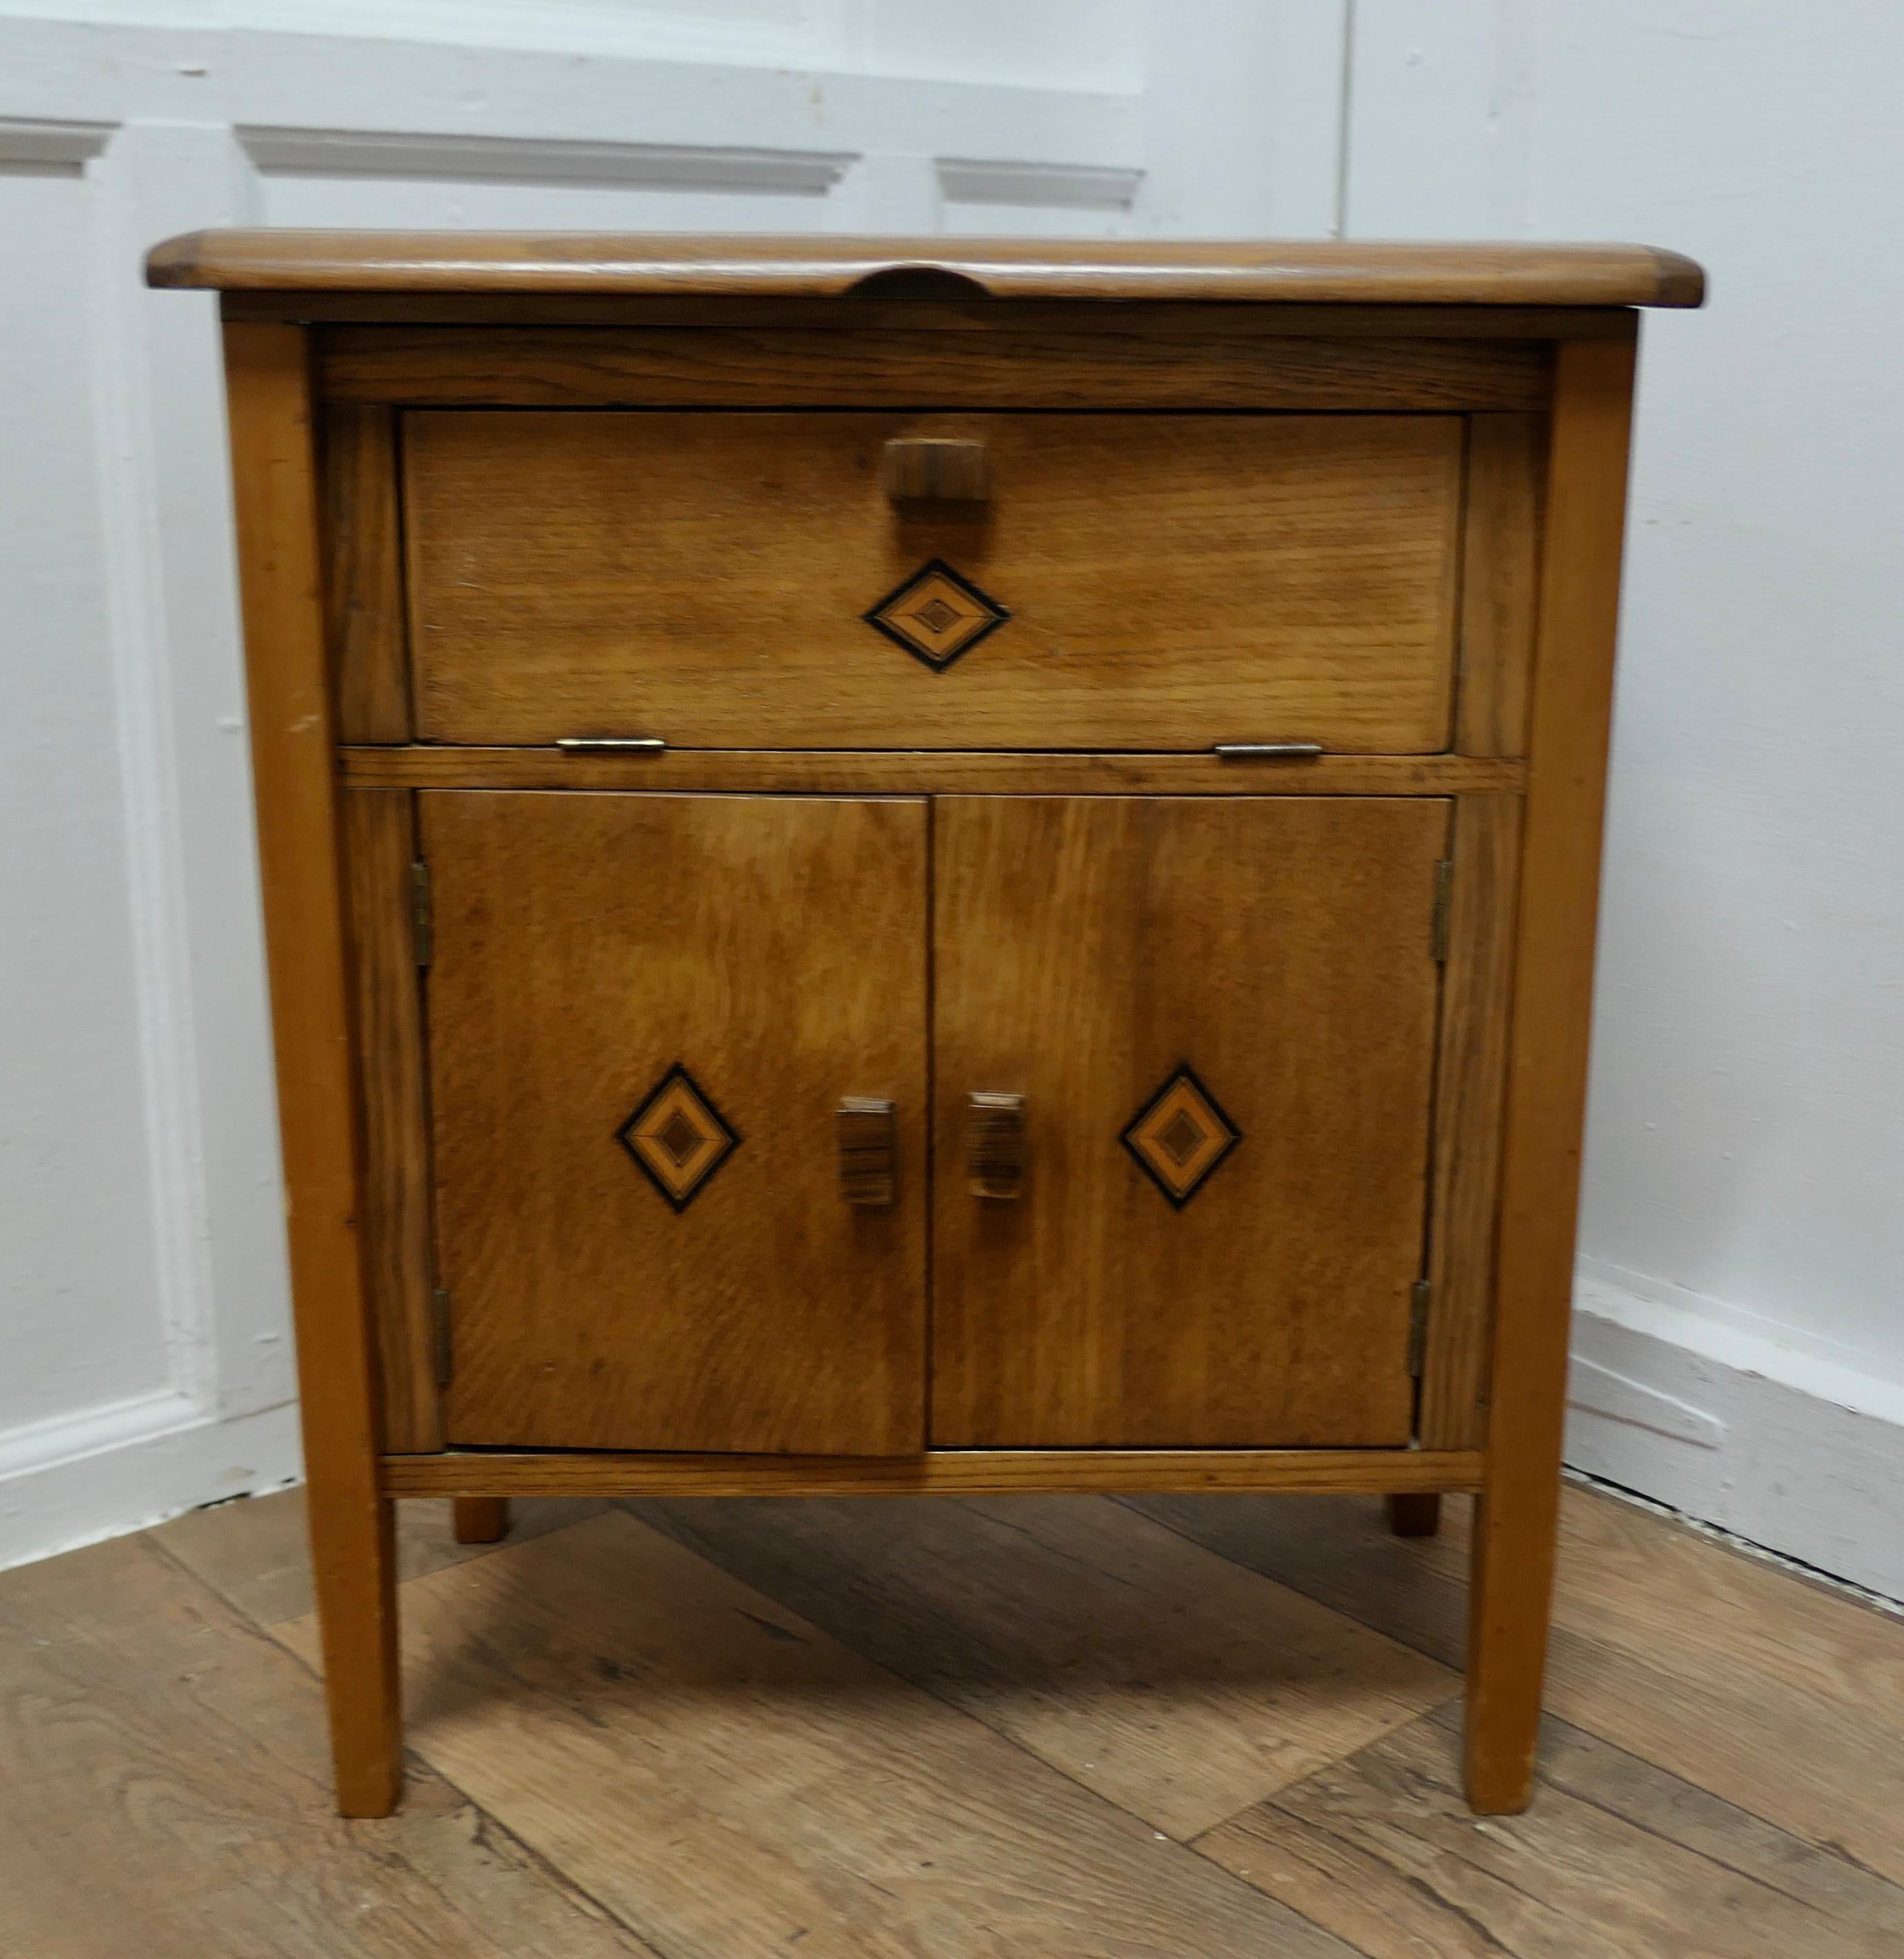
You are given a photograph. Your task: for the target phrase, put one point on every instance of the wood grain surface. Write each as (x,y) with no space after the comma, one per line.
(585,947)
(164,1791)
(956,1729)
(1063,364)
(377,840)
(274,488)
(255,1554)
(1469,1083)
(1206,320)
(980,1604)
(1777,1696)
(1546,1070)
(926,771)
(1317,272)
(702,578)
(1084,950)
(1500,582)
(364,573)
(811,1803)
(939,1471)
(1618,1860)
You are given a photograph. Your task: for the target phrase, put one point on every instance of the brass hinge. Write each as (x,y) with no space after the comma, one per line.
(439,1334)
(1417,1327)
(421,912)
(1444,905)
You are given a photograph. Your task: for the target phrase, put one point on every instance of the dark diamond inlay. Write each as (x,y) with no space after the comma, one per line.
(1180,1135)
(678,1137)
(936,615)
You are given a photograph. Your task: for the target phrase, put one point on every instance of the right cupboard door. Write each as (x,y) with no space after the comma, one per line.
(1220,1014)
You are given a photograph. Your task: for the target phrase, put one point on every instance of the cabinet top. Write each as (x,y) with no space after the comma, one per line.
(1319,272)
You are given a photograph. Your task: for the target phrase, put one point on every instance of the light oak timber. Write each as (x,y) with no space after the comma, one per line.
(165,1794)
(1039,1617)
(1725,1778)
(585,948)
(364,573)
(1500,584)
(1781,1697)
(1086,951)
(1618,1860)
(377,842)
(292,736)
(1206,320)
(256,1554)
(1315,272)
(1416,1514)
(480,1519)
(925,771)
(957,1472)
(1469,1085)
(1546,1078)
(706,577)
(675,540)
(725,1780)
(1042,368)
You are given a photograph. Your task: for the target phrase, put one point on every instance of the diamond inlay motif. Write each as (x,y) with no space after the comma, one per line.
(1180,1135)
(678,1137)
(936,615)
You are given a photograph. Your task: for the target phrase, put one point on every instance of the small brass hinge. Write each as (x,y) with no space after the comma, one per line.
(1417,1327)
(419,912)
(1444,905)
(439,1334)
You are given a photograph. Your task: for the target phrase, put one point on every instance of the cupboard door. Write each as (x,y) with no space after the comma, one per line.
(1220,1014)
(644,1011)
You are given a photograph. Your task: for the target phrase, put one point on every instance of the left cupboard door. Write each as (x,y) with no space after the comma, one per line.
(644,1011)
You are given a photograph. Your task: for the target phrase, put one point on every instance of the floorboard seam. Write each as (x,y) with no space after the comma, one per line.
(486,1820)
(1012,1741)
(1413,1646)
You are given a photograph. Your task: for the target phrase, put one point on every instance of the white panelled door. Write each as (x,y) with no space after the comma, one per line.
(143,1277)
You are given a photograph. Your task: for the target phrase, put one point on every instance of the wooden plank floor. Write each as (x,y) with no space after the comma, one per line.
(1029,1728)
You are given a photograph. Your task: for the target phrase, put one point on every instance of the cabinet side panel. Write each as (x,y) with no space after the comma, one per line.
(1469,1079)
(363,549)
(275,493)
(379,850)
(1499,583)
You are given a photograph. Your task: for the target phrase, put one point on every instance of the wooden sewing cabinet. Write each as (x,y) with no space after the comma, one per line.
(901,866)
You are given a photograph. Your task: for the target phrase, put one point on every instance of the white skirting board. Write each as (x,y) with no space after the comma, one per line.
(108,1471)
(1787,1448)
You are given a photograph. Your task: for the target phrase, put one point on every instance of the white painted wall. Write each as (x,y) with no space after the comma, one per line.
(145,1357)
(1744,1227)
(1741,1346)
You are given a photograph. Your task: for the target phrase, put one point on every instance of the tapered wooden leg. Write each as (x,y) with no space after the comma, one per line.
(268,372)
(1415,1513)
(480,1519)
(1546,1077)
(353,1564)
(1511,1586)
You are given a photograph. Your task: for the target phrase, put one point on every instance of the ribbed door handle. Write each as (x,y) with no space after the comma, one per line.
(936,469)
(869,1150)
(995,1144)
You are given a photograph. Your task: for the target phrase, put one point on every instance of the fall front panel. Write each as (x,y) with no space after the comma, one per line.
(644,1011)
(747,580)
